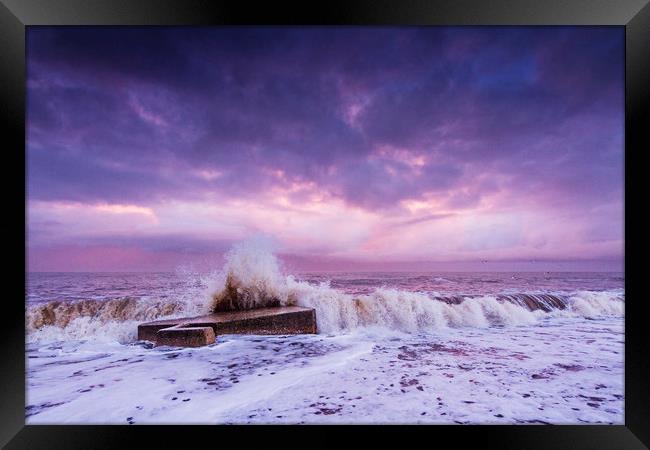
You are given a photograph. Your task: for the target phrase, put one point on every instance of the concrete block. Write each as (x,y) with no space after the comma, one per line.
(147,331)
(185,336)
(192,331)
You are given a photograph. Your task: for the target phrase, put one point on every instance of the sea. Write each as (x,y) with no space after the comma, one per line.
(391,348)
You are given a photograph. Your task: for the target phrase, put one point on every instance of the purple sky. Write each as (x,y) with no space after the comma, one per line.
(369,148)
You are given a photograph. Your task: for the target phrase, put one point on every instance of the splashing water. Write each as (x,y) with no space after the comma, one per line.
(251,278)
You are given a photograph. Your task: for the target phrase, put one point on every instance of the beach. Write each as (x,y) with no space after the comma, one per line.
(390,348)
(554,372)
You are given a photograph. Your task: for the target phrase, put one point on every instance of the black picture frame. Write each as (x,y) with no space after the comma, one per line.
(15,15)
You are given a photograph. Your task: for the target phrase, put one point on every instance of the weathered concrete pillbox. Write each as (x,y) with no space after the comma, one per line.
(202,330)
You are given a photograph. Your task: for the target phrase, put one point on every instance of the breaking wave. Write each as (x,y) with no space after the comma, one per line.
(252,278)
(415,311)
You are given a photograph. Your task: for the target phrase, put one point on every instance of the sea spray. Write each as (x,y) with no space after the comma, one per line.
(251,278)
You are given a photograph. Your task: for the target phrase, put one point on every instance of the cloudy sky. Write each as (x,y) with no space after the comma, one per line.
(150,148)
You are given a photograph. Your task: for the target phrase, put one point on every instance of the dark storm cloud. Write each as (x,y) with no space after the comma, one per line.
(119,114)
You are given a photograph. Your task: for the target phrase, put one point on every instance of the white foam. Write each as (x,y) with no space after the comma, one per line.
(568,372)
(83,328)
(593,304)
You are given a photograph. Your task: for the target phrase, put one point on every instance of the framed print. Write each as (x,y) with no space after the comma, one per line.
(364,215)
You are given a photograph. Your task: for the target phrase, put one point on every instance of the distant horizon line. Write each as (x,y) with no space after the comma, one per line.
(340,271)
